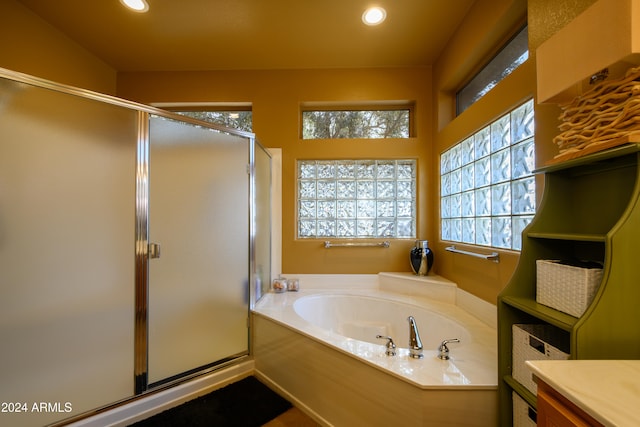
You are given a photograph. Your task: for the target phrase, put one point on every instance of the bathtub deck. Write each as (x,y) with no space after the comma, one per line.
(473,364)
(345,381)
(335,389)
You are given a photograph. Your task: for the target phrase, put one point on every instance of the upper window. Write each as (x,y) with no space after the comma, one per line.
(487,187)
(235,119)
(356,198)
(352,123)
(514,53)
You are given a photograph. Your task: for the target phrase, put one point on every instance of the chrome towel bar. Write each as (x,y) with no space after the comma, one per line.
(494,256)
(328,244)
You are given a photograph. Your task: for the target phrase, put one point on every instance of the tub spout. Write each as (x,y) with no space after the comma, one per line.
(415,345)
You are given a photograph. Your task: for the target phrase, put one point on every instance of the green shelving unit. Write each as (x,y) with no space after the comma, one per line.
(590,211)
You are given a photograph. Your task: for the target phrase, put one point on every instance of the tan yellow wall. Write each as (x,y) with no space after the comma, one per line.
(485,27)
(32,46)
(489,24)
(276,97)
(37,48)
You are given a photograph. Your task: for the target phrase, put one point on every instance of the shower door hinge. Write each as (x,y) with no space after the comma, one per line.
(249,168)
(154,250)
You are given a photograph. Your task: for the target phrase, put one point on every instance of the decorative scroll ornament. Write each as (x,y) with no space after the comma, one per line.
(609,111)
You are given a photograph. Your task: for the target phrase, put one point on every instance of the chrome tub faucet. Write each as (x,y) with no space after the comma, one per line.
(415,345)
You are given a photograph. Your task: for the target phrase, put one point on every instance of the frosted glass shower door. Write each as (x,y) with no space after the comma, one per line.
(67,198)
(199,215)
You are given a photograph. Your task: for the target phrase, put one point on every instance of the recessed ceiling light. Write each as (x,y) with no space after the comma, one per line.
(136,5)
(374,15)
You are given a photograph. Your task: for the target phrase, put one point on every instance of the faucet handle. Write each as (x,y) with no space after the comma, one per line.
(391,346)
(443,350)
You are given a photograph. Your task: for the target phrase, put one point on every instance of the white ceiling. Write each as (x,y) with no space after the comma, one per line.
(255,34)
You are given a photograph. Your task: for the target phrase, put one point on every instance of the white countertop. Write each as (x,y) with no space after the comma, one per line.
(608,390)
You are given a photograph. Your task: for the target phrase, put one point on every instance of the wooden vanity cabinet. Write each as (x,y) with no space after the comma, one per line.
(554,410)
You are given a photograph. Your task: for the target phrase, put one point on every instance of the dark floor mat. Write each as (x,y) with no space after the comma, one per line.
(245,403)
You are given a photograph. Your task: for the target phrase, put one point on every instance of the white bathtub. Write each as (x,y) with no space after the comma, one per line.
(364,317)
(319,347)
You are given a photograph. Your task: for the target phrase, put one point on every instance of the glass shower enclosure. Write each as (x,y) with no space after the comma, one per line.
(198,222)
(127,249)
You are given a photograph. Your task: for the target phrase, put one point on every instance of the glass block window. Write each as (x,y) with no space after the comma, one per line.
(487,188)
(356,198)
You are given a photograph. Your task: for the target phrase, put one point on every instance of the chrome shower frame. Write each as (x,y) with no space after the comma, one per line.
(141,252)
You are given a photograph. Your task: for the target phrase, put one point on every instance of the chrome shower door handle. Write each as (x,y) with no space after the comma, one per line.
(154,250)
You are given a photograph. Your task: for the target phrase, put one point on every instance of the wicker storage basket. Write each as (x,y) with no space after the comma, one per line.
(523,414)
(565,287)
(536,342)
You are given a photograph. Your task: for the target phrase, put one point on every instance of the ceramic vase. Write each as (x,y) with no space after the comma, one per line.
(421,258)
